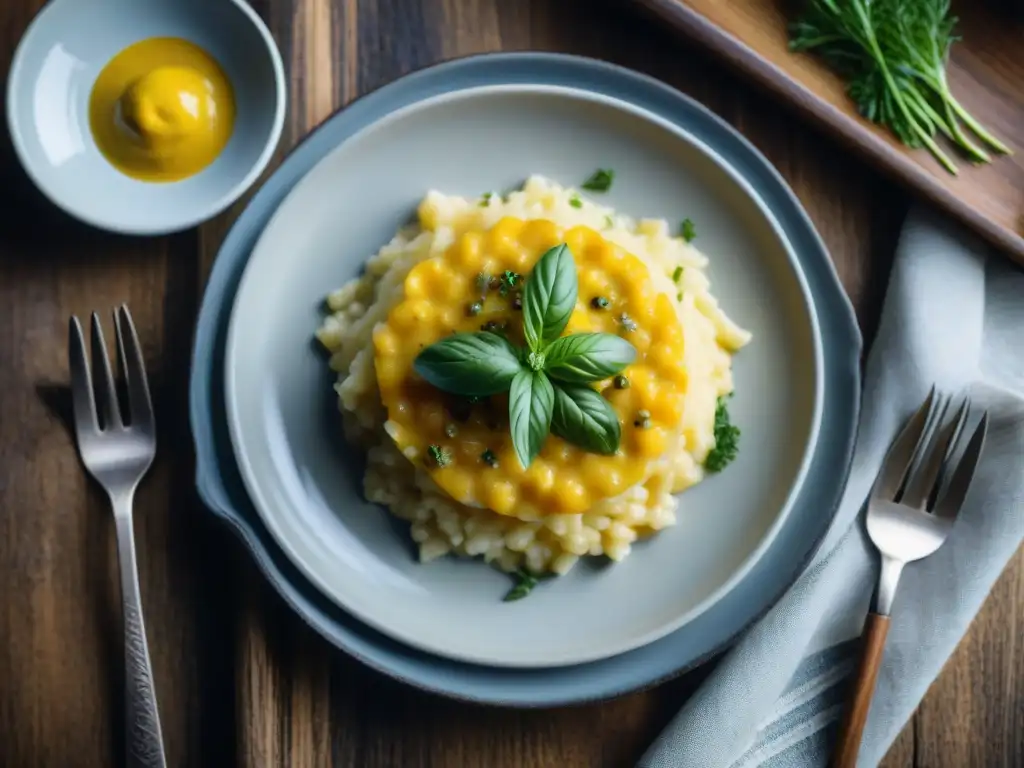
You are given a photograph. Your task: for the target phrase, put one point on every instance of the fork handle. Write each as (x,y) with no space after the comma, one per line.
(863,688)
(144,740)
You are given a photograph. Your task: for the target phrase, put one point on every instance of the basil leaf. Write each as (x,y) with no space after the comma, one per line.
(583,417)
(585,357)
(470,364)
(530,403)
(549,297)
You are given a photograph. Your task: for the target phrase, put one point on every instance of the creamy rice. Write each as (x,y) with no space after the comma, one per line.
(441,525)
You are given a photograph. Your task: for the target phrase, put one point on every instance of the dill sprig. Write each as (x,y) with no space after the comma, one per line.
(893,54)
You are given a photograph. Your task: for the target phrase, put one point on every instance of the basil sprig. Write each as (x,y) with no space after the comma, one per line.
(470,364)
(550,297)
(531,402)
(547,381)
(584,418)
(584,357)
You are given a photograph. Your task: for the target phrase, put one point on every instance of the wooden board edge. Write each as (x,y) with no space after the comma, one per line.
(853,134)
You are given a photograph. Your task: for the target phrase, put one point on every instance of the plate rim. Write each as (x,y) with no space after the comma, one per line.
(262,497)
(216,480)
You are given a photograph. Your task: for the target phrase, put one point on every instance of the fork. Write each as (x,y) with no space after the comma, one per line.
(913,506)
(117,452)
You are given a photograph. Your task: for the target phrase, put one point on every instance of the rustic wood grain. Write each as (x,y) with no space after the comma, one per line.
(60,637)
(240,680)
(986,73)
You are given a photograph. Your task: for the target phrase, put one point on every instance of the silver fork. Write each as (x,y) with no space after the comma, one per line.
(915,501)
(118,452)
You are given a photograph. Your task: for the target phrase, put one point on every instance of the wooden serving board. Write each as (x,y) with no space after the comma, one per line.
(986,74)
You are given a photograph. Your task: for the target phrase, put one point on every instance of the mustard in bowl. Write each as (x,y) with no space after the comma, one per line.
(145,117)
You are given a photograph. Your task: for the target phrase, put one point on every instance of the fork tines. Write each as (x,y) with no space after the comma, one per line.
(94,395)
(916,471)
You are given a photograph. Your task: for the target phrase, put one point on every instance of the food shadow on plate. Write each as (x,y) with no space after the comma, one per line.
(350,455)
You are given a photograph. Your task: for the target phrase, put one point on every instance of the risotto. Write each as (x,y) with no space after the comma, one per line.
(620,446)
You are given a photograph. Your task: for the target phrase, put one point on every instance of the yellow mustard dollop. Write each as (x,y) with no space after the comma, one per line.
(162,110)
(439,295)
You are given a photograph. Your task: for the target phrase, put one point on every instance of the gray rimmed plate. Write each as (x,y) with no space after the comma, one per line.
(755,591)
(306,485)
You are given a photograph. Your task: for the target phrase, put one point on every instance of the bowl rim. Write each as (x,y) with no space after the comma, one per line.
(15,80)
(250,477)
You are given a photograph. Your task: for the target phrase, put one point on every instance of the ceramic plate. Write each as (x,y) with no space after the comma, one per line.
(306,482)
(220,484)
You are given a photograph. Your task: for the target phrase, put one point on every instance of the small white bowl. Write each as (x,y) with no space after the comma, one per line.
(48,89)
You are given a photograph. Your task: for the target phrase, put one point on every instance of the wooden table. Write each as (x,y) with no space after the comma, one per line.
(241,680)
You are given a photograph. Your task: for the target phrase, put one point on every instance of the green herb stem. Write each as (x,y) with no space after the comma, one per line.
(893,54)
(975,126)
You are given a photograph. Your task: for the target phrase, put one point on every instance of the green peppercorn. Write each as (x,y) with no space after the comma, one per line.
(621,382)
(643,419)
(451,430)
(600,302)
(475,308)
(489,458)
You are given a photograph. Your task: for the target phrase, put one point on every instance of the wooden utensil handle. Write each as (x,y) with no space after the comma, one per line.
(863,687)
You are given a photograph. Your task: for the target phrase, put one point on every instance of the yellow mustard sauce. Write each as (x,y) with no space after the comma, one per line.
(161,110)
(564,478)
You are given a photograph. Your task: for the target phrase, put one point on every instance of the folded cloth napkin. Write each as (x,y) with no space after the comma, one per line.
(953,316)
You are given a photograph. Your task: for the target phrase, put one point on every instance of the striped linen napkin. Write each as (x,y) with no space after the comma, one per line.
(953,315)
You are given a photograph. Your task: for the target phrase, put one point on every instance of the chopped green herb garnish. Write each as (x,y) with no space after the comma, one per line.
(509,280)
(608,223)
(475,308)
(600,302)
(621,382)
(677,274)
(727,440)
(489,458)
(679,296)
(485,199)
(441,457)
(523,585)
(575,201)
(600,180)
(688,230)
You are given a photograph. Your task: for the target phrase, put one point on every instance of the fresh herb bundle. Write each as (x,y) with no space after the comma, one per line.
(893,54)
(547,380)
